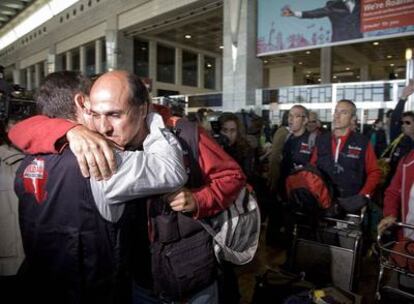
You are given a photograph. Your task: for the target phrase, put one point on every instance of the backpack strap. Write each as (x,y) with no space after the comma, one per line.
(392,146)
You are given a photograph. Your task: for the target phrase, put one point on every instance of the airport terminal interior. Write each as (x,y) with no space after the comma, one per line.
(253,63)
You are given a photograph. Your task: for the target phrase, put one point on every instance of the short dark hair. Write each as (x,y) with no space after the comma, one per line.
(55,97)
(408,114)
(305,110)
(352,104)
(138,91)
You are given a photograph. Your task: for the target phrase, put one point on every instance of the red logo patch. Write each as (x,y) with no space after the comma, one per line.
(35,178)
(354,152)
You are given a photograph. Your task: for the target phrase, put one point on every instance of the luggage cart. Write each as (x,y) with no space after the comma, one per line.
(392,289)
(330,253)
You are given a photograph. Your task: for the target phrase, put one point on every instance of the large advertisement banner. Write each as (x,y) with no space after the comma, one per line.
(285,26)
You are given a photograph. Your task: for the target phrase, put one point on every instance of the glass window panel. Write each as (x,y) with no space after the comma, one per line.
(209,72)
(90,59)
(189,69)
(165,64)
(75,60)
(141,58)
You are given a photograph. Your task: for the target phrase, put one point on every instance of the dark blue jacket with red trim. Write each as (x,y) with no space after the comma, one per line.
(72,252)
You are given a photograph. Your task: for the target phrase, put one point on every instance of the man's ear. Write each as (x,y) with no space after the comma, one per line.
(79,100)
(81,103)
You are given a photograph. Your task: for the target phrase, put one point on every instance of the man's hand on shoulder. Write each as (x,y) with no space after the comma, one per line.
(94,153)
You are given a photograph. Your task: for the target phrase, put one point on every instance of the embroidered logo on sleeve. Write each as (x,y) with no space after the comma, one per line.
(34,179)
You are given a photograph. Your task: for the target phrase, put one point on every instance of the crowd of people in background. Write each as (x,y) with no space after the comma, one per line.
(83,208)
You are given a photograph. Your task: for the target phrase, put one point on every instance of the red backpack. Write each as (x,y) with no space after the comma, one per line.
(308,190)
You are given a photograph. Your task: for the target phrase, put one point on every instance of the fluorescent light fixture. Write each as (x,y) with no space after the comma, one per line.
(187,36)
(347,68)
(300,63)
(307,76)
(221,47)
(209,65)
(389,56)
(40,16)
(375,43)
(334,77)
(408,54)
(308,52)
(391,64)
(265,61)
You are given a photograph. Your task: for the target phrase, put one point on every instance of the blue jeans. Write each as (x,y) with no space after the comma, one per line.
(208,295)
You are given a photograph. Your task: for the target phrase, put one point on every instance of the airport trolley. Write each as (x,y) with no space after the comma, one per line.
(331,252)
(396,273)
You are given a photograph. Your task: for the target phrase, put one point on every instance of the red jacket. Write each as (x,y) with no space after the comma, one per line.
(224,178)
(397,195)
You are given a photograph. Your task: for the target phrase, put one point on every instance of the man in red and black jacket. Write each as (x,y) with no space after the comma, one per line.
(346,157)
(222,177)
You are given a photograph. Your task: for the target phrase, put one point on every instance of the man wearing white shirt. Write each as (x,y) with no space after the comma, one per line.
(71,226)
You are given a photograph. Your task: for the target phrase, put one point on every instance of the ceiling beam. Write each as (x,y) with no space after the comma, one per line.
(13,4)
(4,18)
(348,53)
(7,11)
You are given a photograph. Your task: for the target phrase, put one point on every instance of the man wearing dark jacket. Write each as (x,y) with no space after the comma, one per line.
(345,157)
(71,225)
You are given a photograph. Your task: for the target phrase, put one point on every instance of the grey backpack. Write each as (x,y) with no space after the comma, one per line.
(236,230)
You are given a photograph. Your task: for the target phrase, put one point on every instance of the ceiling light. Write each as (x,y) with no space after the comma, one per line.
(389,56)
(187,36)
(334,77)
(358,77)
(375,43)
(300,62)
(265,61)
(408,54)
(307,76)
(308,52)
(319,79)
(221,47)
(391,64)
(396,74)
(347,68)
(209,65)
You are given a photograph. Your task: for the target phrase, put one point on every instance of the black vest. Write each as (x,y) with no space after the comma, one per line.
(181,257)
(296,152)
(348,175)
(72,252)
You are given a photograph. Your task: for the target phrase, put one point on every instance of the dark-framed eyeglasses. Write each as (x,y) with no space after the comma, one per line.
(406,122)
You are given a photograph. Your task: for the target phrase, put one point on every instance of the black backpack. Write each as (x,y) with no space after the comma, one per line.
(182,254)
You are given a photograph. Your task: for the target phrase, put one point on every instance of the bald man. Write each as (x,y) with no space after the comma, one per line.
(72,226)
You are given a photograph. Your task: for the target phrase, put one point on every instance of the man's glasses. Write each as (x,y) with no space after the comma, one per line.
(406,122)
